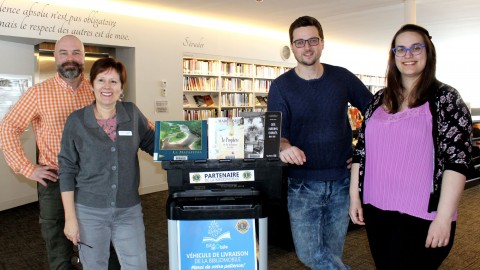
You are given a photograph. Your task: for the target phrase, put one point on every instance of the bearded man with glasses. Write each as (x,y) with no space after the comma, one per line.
(317,144)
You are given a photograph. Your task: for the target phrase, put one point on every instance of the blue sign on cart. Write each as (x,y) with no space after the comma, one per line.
(217,244)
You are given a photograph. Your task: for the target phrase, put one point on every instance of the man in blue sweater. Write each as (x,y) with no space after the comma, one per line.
(316,142)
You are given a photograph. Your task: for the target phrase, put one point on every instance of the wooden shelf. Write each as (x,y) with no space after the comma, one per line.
(229,84)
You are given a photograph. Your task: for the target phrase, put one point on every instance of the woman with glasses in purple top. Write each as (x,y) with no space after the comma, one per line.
(410,162)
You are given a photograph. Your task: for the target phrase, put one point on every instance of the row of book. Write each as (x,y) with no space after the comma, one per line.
(234,100)
(270,72)
(189,115)
(236,84)
(215,67)
(203,67)
(262,85)
(201,84)
(234,112)
(252,135)
(212,84)
(200,101)
(237,69)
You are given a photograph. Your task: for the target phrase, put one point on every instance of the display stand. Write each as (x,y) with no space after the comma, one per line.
(213,193)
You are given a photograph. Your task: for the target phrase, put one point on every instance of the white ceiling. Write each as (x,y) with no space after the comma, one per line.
(367,23)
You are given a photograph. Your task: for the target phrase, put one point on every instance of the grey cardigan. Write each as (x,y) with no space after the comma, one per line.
(103,173)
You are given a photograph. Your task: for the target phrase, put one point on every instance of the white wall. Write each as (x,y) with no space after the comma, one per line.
(16,189)
(152,51)
(458,60)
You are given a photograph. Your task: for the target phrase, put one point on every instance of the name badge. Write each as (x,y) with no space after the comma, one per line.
(125,133)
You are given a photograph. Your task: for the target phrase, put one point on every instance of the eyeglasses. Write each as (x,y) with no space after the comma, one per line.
(415,49)
(300,43)
(82,244)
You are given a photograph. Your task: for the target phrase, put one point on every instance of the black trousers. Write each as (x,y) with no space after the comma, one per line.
(397,241)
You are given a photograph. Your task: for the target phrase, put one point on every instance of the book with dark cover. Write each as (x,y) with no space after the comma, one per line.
(208,100)
(180,140)
(262,134)
(199,101)
(254,130)
(261,100)
(273,128)
(265,100)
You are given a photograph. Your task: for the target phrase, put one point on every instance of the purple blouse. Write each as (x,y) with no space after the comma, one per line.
(400,164)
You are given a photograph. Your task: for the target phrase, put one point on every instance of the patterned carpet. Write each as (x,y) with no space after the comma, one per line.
(21,246)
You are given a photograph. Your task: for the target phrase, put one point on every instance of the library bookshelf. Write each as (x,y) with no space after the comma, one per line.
(373,83)
(214,87)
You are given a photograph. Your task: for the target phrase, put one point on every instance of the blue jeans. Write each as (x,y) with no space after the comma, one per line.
(124,227)
(319,220)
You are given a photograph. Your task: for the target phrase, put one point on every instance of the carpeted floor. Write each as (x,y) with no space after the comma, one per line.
(21,246)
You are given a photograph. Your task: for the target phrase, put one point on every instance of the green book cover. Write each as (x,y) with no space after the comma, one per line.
(180,140)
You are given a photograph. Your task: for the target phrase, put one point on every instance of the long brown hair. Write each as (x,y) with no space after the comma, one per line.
(394,92)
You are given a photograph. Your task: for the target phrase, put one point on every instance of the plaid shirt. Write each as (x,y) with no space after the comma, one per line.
(46,105)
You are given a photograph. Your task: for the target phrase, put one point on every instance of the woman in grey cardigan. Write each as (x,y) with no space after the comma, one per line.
(99,173)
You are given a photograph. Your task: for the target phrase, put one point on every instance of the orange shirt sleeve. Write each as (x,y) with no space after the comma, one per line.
(12,126)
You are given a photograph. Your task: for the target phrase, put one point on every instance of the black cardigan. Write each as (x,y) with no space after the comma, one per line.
(451,134)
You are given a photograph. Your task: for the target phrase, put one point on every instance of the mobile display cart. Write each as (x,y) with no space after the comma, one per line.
(216,212)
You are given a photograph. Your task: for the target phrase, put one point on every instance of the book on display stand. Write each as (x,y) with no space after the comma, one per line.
(180,140)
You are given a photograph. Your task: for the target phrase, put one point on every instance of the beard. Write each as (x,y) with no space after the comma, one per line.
(70,72)
(305,61)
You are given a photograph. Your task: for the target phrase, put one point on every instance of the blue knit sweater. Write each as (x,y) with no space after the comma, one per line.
(314,118)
